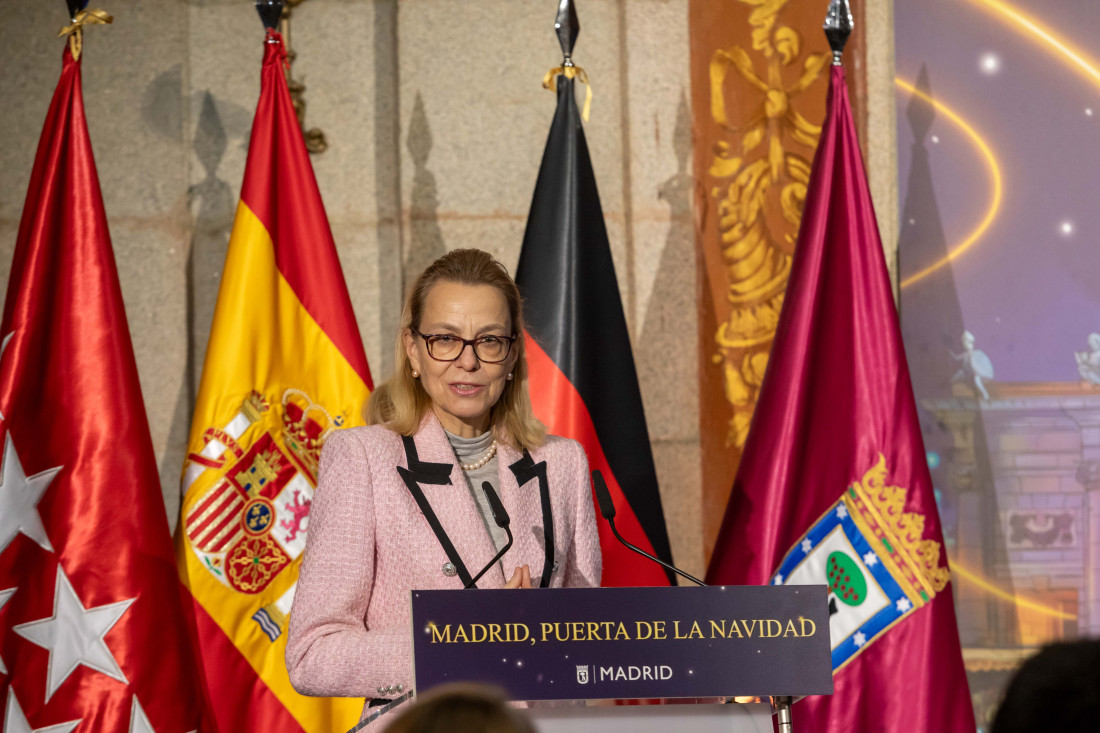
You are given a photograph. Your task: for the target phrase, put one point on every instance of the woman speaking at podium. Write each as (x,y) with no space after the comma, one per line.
(400,504)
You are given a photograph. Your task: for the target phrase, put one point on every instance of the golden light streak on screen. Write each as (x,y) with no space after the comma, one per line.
(995,179)
(1020,601)
(1088,67)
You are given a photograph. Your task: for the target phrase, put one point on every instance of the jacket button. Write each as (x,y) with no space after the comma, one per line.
(400,687)
(555,567)
(449,569)
(381,690)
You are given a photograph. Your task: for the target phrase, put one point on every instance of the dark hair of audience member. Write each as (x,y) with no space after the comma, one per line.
(1058,689)
(461,708)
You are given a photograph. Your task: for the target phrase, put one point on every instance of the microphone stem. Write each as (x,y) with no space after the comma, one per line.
(657,560)
(495,559)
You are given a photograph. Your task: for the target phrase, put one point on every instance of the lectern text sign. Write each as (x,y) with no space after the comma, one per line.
(587,643)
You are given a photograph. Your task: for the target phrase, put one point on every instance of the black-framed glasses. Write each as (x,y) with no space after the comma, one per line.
(489,349)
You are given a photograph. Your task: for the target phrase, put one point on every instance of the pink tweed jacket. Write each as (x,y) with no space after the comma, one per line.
(369,545)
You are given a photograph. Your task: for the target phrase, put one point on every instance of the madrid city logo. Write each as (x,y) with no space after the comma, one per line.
(871,555)
(622,673)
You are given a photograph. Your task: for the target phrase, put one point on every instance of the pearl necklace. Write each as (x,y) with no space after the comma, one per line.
(483,460)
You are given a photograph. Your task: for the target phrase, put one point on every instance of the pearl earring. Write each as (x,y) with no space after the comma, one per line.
(509,377)
(415,374)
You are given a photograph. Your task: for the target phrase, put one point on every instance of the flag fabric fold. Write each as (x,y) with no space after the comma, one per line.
(833,486)
(93,634)
(284,367)
(583,383)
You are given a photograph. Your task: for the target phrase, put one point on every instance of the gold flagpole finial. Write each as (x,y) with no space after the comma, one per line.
(80,18)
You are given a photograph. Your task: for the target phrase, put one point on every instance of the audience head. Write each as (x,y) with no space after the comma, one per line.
(461,708)
(1058,689)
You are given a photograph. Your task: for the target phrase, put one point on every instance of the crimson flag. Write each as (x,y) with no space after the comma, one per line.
(833,486)
(92,630)
(583,383)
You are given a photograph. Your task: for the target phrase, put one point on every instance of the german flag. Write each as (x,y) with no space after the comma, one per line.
(284,367)
(583,383)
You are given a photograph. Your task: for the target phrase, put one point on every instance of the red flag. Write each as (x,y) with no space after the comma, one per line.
(93,631)
(583,383)
(833,486)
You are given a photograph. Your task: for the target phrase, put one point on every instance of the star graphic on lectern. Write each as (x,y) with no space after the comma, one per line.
(74,635)
(16,722)
(19,497)
(5,596)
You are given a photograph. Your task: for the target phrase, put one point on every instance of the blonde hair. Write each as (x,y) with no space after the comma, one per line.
(401,402)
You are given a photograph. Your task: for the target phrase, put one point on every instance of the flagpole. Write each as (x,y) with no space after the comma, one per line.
(270,11)
(838,28)
(567,27)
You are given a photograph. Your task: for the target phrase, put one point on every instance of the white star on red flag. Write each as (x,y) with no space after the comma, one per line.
(16,722)
(19,497)
(5,596)
(74,635)
(139,721)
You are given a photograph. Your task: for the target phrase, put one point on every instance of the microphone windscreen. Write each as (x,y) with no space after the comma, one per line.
(496,506)
(603,496)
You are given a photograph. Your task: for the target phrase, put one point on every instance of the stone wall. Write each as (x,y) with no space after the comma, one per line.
(435,120)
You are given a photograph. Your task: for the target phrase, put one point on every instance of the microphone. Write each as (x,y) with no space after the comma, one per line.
(500,516)
(607,509)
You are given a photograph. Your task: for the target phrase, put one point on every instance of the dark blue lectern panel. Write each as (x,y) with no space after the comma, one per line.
(574,643)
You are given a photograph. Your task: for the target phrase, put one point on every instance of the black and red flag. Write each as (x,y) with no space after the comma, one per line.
(583,383)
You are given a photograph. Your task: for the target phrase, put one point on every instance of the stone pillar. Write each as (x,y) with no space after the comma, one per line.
(971,603)
(1088,474)
(1089,623)
(473,124)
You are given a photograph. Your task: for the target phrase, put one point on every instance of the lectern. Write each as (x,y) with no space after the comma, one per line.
(587,644)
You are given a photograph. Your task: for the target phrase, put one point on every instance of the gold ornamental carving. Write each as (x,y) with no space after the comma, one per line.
(769,168)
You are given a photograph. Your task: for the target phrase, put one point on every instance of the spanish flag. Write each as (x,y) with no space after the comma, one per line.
(284,368)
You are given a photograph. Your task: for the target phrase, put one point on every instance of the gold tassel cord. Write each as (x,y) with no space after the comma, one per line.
(550,81)
(75,30)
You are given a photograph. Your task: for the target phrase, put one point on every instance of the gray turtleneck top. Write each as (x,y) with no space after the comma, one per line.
(469,450)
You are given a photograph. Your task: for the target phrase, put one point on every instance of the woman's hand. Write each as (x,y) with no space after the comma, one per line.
(521,578)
